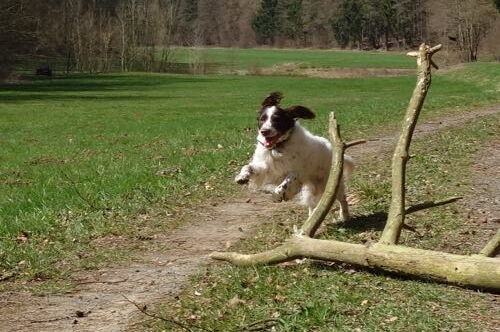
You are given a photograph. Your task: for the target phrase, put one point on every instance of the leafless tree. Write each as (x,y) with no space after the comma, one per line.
(17,33)
(146,31)
(469,23)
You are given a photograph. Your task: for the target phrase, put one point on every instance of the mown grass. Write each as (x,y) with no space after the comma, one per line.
(334,297)
(121,155)
(251,59)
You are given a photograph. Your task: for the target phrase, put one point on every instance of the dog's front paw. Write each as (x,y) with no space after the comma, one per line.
(278,194)
(242,178)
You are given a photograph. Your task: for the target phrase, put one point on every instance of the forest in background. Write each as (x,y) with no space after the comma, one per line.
(126,35)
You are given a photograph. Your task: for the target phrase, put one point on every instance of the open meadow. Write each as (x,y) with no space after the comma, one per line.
(248,59)
(128,156)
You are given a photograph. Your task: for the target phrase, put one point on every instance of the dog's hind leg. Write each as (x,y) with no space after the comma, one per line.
(344,207)
(311,210)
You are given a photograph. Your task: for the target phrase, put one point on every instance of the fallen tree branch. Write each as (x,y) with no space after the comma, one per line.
(396,215)
(475,271)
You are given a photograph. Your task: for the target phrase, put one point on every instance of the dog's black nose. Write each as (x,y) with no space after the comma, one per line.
(265,132)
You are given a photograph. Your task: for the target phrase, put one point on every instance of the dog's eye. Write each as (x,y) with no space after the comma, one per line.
(263,118)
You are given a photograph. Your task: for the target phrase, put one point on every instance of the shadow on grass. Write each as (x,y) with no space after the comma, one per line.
(374,221)
(364,272)
(46,88)
(69,97)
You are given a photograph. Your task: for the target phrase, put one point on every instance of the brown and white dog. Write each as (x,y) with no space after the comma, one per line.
(289,158)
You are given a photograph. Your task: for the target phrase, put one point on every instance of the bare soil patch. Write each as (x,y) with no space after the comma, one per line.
(295,69)
(481,207)
(98,301)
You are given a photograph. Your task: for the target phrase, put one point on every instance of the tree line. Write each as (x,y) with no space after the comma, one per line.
(104,35)
(88,35)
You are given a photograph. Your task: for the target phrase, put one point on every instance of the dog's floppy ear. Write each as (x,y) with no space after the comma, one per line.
(300,112)
(273,99)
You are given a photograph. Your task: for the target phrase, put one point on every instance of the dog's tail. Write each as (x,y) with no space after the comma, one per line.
(348,167)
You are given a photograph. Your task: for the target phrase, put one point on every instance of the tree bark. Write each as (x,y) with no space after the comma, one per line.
(473,271)
(332,186)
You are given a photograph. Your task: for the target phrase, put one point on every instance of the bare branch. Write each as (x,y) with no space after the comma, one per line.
(166,320)
(396,216)
(492,247)
(354,143)
(332,185)
(435,49)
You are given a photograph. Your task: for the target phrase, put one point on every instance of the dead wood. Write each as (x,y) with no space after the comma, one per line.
(478,271)
(332,186)
(396,215)
(473,271)
(492,247)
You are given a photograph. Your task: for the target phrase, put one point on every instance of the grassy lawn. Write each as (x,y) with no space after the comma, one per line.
(334,297)
(235,58)
(86,156)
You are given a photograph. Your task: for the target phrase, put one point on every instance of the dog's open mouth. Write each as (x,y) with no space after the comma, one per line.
(270,141)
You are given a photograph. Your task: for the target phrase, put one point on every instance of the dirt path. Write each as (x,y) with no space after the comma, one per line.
(377,145)
(482,205)
(98,304)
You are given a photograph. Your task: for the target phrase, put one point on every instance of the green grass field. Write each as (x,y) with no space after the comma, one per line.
(265,58)
(82,155)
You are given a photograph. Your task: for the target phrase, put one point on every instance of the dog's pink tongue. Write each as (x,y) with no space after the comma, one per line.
(269,141)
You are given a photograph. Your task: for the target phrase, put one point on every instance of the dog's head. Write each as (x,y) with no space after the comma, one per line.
(275,123)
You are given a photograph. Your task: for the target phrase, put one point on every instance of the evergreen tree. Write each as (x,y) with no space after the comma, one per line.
(379,22)
(191,10)
(265,23)
(348,23)
(291,23)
